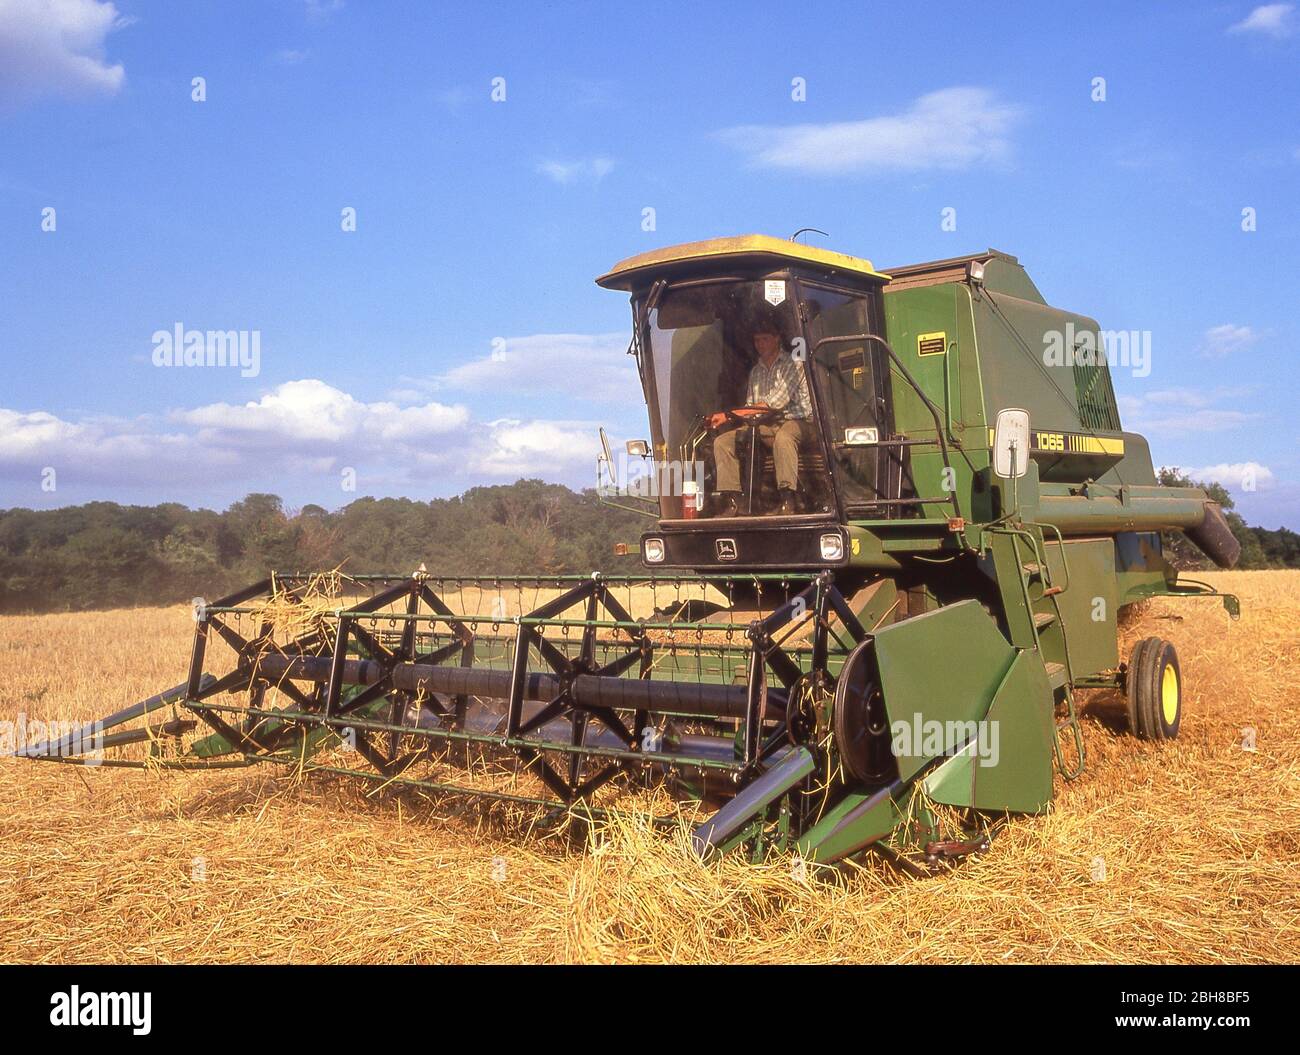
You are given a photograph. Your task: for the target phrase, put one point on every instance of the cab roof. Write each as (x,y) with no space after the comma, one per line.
(638,270)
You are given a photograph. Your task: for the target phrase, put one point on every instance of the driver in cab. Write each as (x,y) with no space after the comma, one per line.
(776,384)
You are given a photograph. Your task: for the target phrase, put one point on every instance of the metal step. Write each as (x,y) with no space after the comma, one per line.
(1033,569)
(1043,619)
(1056,674)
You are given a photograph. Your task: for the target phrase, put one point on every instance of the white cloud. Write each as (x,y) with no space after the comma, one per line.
(580,170)
(298,436)
(1228,338)
(295,437)
(1191,422)
(525,448)
(1273,20)
(99,449)
(1186,411)
(56,47)
(956,128)
(583,366)
(1196,397)
(22,435)
(1235,476)
(1177,397)
(313,412)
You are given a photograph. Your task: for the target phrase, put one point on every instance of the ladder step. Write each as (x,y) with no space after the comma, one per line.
(1042,619)
(1032,569)
(1056,674)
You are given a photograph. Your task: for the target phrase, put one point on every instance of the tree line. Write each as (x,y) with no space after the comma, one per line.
(1260,547)
(105,555)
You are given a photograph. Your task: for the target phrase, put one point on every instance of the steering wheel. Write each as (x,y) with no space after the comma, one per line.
(741,417)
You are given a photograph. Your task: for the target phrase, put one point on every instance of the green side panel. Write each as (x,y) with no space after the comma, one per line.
(1011,766)
(857,821)
(911,314)
(1005,274)
(1090,603)
(866,550)
(1135,467)
(1020,495)
(943,666)
(931,329)
(953,782)
(1013,338)
(1045,361)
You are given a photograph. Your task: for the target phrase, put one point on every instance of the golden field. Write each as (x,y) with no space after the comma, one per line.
(1200,841)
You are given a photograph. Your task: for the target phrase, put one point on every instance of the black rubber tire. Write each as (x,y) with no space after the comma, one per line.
(1154,690)
(1131,682)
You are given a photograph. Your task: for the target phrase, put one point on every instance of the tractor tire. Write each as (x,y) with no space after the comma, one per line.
(1154,690)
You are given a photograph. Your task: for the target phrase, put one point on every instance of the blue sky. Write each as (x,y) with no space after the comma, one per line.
(456,337)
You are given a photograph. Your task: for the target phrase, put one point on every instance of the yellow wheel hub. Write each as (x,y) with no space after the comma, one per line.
(1169,694)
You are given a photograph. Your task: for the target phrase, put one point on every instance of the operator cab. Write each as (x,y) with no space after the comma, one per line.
(768,399)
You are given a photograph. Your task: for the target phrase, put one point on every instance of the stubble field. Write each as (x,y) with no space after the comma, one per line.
(1180,852)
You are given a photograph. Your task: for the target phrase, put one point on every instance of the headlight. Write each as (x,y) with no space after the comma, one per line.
(653,548)
(832,547)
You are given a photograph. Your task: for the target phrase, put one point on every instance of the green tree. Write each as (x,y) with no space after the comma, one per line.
(1182,552)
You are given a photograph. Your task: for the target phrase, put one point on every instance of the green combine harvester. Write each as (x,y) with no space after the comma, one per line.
(895,518)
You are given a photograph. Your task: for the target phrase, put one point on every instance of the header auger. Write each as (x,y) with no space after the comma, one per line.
(895,519)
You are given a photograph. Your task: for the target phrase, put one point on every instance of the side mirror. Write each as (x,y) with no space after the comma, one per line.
(1011,444)
(606,474)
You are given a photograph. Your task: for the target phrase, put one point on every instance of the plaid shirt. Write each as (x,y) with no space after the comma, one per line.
(782,386)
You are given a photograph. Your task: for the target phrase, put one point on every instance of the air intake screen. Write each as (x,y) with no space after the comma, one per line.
(1096,397)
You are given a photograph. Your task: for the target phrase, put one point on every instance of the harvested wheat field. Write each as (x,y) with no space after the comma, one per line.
(1183,852)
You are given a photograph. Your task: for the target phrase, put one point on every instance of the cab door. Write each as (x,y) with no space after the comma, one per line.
(851,382)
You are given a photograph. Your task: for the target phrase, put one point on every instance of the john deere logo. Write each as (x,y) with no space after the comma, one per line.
(726,548)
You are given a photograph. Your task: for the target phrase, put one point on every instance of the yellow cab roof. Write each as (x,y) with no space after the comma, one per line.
(628,273)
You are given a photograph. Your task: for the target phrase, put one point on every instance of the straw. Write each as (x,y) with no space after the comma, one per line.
(1161,853)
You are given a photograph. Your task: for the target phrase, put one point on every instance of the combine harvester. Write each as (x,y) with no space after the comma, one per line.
(882,653)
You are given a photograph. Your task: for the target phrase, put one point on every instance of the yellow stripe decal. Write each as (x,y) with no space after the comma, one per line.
(1071,443)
